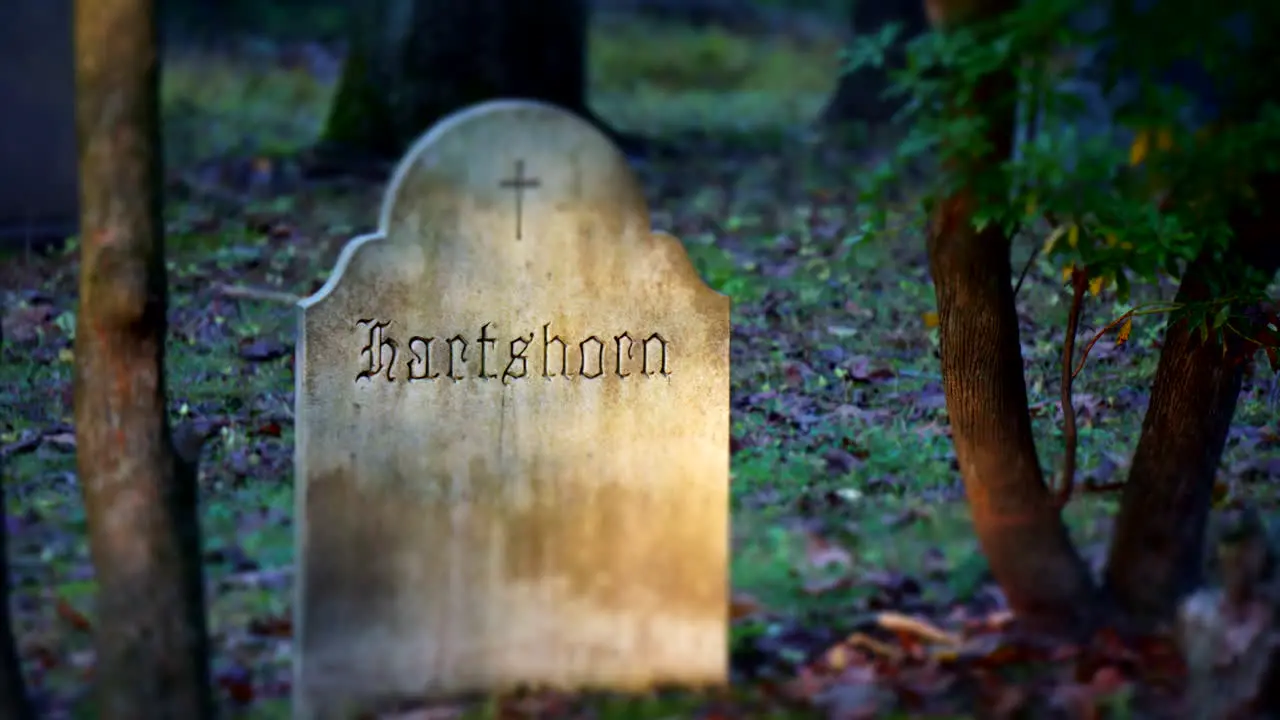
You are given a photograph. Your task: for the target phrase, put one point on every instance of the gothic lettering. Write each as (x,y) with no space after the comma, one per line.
(484,341)
(518,346)
(617,341)
(462,357)
(644,353)
(377,351)
(547,340)
(421,358)
(584,351)
(595,357)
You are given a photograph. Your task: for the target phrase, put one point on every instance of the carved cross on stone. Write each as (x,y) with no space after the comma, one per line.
(453,382)
(519,183)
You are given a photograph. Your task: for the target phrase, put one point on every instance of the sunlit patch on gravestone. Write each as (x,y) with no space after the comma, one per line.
(512,433)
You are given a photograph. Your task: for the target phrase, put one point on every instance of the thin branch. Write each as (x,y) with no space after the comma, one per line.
(27,443)
(1152,309)
(1079,283)
(1058,230)
(1025,269)
(248,293)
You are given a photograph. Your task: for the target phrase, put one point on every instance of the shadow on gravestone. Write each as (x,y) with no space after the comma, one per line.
(512,433)
(39,197)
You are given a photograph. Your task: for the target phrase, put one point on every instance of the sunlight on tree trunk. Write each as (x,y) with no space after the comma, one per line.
(150,636)
(1017,523)
(1157,553)
(415,61)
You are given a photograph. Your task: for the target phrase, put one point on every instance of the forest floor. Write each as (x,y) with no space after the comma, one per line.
(859,590)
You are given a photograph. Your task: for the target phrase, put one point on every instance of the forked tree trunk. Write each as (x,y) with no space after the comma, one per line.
(152,659)
(1157,552)
(412,62)
(14,702)
(1018,525)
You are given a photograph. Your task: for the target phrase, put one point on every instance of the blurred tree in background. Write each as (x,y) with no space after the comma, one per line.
(863,94)
(412,62)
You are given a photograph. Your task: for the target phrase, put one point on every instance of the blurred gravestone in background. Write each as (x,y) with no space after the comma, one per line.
(38,189)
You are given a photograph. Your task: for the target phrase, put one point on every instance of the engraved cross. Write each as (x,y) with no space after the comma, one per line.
(519,184)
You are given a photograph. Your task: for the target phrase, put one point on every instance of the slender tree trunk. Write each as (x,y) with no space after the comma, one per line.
(14,702)
(412,62)
(152,659)
(860,95)
(1157,553)
(1017,523)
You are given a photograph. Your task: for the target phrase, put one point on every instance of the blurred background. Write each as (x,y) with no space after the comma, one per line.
(654,67)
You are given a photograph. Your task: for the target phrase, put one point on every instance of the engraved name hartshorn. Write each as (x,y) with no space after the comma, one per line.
(490,356)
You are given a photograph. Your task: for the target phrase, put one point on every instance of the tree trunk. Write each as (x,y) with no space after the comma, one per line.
(14,703)
(860,95)
(412,62)
(1157,553)
(1017,522)
(151,641)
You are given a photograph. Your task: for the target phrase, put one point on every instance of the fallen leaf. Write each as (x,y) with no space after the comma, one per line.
(263,350)
(278,626)
(822,554)
(840,461)
(271,429)
(66,442)
(916,627)
(743,606)
(23,323)
(237,686)
(436,713)
(1108,680)
(72,616)
(828,565)
(859,370)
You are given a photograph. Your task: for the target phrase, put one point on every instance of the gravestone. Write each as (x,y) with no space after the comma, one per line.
(512,433)
(38,177)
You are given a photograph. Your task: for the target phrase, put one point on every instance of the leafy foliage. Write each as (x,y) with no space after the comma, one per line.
(1139,179)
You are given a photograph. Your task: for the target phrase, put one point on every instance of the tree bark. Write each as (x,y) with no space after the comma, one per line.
(14,702)
(1018,525)
(860,95)
(1157,554)
(151,640)
(412,62)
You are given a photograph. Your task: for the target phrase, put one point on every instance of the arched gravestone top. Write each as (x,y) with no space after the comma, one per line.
(512,432)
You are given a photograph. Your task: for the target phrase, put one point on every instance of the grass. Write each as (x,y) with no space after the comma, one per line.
(839,425)
(643,77)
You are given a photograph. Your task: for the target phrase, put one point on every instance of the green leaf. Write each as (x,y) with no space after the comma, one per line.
(1220,318)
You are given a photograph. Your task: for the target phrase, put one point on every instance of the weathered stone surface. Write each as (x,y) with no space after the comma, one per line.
(512,432)
(38,186)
